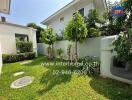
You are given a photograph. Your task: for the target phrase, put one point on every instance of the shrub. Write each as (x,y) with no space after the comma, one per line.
(123,45)
(24,46)
(90,65)
(59,52)
(93,32)
(17,57)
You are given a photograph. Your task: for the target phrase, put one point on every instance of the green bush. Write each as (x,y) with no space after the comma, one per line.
(59,52)
(123,45)
(17,57)
(90,65)
(24,47)
(93,32)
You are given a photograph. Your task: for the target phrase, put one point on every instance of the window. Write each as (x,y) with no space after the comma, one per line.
(81,11)
(61,19)
(21,37)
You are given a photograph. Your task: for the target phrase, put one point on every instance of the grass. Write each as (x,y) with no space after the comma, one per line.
(47,86)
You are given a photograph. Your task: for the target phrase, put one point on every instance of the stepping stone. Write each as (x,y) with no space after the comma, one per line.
(22,82)
(26,62)
(18,73)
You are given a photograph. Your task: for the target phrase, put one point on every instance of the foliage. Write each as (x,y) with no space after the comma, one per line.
(18,57)
(38,32)
(93,32)
(24,47)
(48,36)
(92,18)
(123,48)
(90,65)
(59,52)
(76,28)
(94,21)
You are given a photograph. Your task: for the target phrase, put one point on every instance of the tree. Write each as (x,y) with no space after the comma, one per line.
(38,32)
(123,44)
(91,21)
(49,38)
(76,30)
(92,18)
(113,25)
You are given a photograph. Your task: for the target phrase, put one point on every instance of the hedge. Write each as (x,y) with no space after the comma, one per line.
(24,46)
(17,57)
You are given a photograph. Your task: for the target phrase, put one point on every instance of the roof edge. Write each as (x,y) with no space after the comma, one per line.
(59,11)
(16,25)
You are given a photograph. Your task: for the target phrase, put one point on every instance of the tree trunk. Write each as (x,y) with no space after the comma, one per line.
(52,51)
(49,51)
(76,55)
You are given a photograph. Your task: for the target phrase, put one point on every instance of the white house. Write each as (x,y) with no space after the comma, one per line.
(60,18)
(4,8)
(9,32)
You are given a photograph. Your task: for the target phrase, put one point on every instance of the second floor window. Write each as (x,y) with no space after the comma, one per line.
(61,19)
(81,11)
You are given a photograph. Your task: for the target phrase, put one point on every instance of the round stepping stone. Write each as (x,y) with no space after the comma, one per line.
(18,73)
(22,82)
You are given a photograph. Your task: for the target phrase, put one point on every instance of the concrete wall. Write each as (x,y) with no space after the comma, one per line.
(7,37)
(89,47)
(106,59)
(0,59)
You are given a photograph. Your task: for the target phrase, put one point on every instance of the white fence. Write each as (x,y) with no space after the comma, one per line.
(88,47)
(0,59)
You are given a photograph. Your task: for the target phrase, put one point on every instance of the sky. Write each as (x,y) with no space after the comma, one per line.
(26,11)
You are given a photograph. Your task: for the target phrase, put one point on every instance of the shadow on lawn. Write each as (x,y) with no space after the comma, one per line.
(112,89)
(54,77)
(50,80)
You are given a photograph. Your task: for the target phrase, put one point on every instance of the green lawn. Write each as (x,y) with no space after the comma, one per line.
(47,86)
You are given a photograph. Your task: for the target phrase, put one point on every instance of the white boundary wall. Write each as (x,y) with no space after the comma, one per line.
(106,59)
(100,47)
(89,47)
(0,59)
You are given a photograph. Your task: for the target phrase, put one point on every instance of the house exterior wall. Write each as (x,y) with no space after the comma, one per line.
(7,37)
(58,26)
